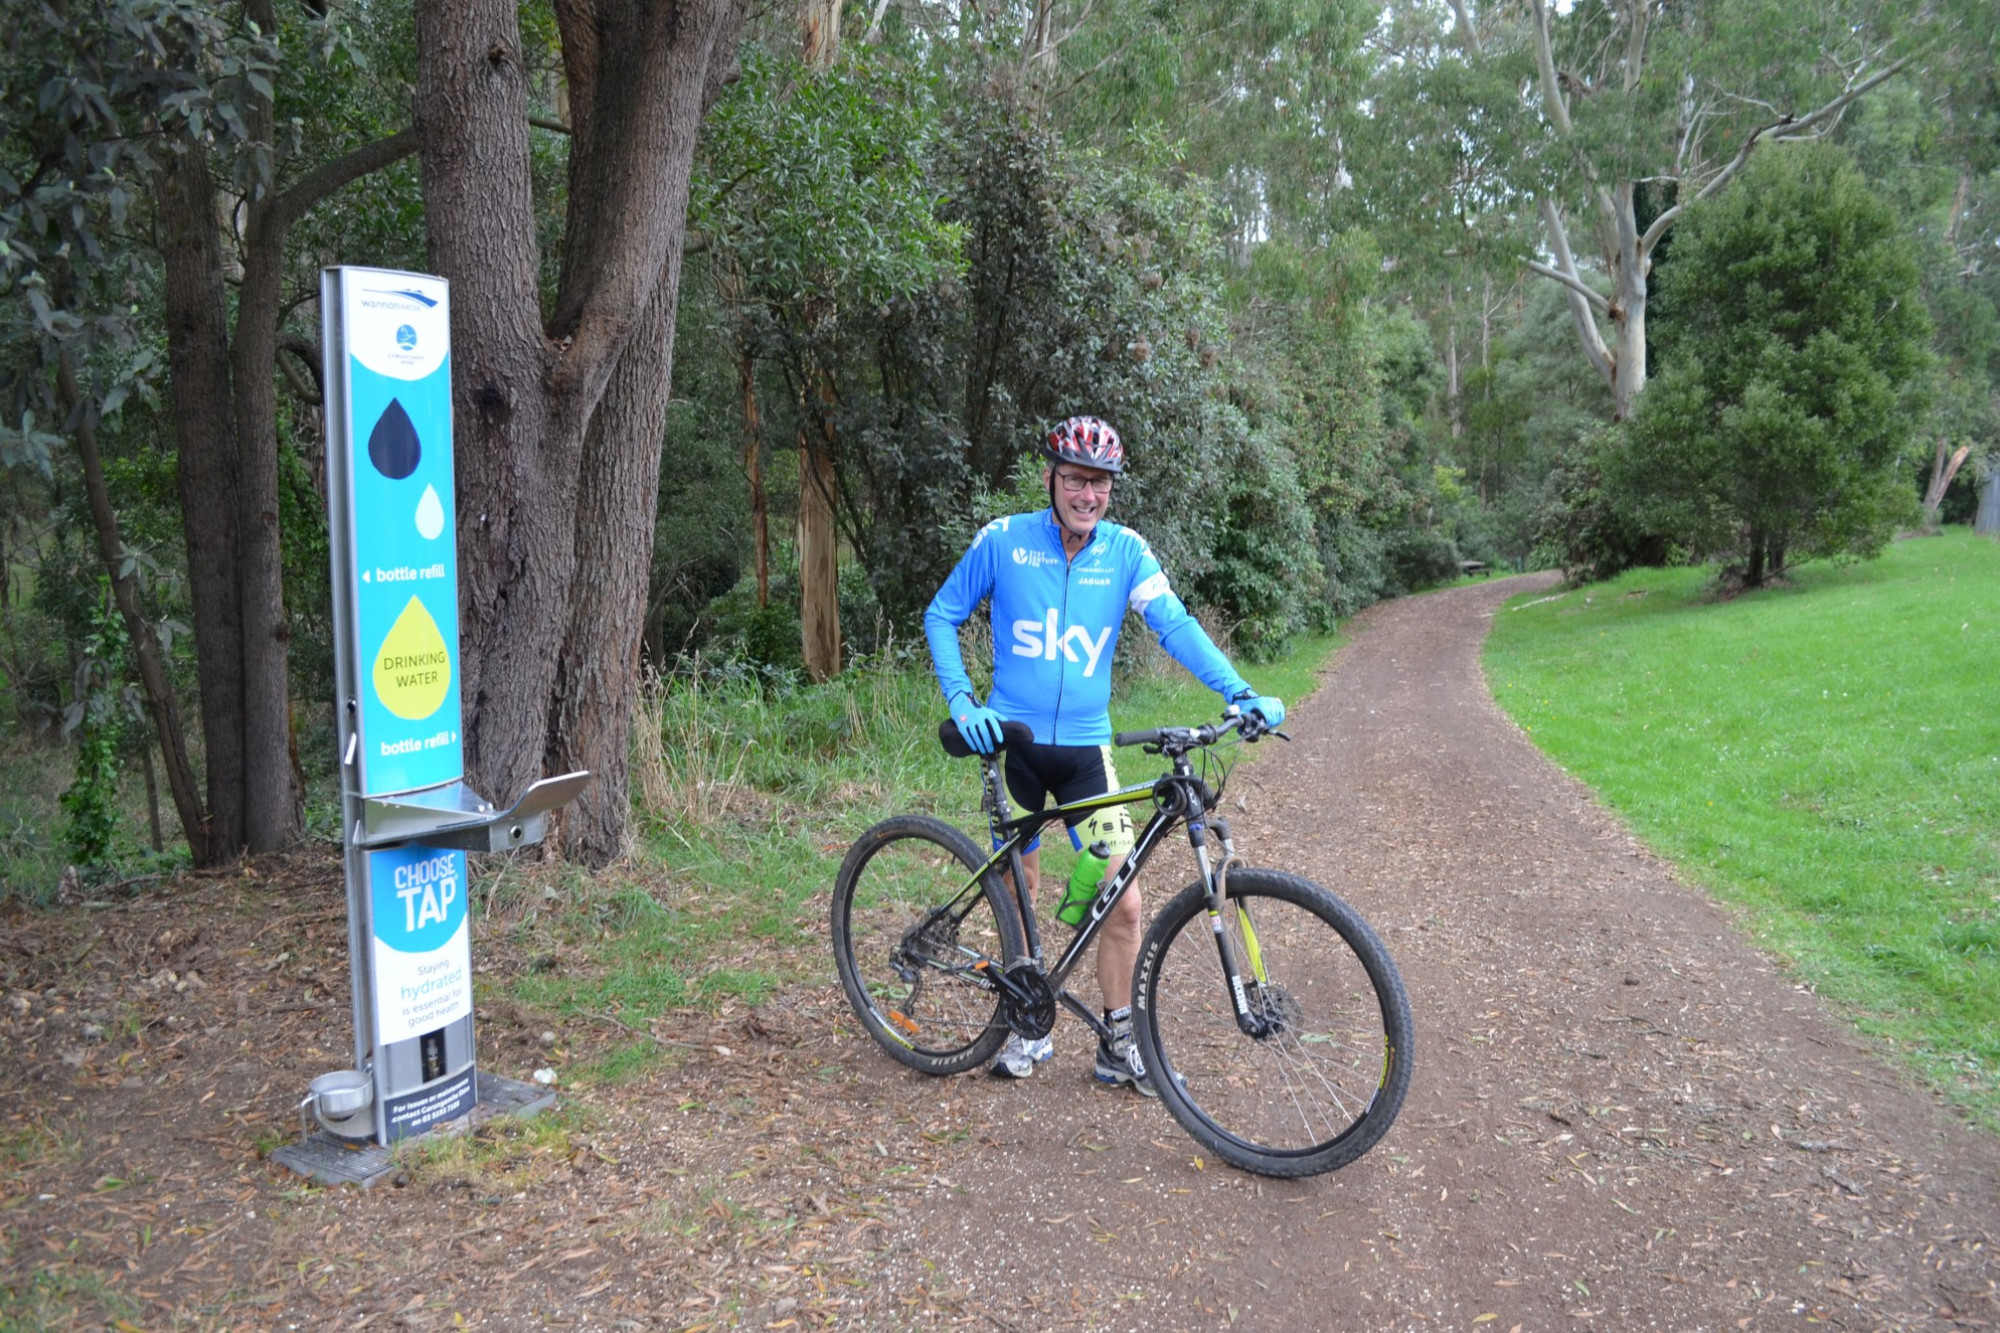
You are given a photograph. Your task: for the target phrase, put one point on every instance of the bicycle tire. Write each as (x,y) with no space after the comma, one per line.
(917,989)
(1326,1084)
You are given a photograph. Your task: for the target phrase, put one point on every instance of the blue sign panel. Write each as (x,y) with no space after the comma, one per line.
(422,947)
(403,548)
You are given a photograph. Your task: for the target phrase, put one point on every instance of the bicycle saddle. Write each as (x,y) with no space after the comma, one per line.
(1011,733)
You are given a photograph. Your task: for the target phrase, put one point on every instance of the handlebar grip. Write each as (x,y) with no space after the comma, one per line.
(1150,736)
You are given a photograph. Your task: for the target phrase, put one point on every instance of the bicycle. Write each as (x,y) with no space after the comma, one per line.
(1289,1058)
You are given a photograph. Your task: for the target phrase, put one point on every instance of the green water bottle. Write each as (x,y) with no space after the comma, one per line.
(1084,882)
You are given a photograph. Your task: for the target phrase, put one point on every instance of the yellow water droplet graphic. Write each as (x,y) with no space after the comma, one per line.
(413,670)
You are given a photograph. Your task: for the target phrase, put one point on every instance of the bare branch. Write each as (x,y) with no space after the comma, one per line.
(308,354)
(1635,44)
(1545,61)
(549,123)
(1791,128)
(875,22)
(323,180)
(1583,289)
(1466,32)
(1579,308)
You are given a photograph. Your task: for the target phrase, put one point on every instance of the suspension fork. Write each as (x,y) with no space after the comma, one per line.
(1217,879)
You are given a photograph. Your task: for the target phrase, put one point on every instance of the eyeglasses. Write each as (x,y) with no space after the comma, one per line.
(1076,485)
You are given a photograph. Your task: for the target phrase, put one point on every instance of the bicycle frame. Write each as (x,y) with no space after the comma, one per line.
(1181,798)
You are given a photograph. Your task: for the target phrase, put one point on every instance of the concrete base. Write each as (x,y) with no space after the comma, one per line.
(330,1161)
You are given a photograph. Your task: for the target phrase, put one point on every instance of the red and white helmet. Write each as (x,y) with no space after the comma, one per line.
(1086,442)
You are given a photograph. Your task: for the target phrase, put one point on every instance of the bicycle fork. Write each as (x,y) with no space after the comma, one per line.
(1252,1020)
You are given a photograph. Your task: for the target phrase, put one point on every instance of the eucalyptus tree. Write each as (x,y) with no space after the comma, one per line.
(560,409)
(1606,121)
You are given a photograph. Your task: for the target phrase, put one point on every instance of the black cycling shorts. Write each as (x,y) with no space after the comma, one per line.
(1070,773)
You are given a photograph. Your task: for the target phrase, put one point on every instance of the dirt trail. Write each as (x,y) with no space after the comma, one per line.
(1623,1116)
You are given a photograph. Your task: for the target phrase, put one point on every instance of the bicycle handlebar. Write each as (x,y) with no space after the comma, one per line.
(1179,740)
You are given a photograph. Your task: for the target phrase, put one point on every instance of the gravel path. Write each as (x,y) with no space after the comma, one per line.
(1623,1115)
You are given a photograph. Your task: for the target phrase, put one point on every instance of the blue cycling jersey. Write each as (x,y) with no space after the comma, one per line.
(1056,623)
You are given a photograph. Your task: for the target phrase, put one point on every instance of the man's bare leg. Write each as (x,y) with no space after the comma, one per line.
(1118,946)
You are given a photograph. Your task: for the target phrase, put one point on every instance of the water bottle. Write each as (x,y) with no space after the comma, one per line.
(1084,882)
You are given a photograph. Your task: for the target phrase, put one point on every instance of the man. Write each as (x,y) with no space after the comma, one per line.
(1061,581)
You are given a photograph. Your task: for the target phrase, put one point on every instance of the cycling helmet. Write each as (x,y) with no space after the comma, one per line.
(1086,442)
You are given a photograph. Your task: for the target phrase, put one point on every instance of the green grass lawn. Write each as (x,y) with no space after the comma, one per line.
(749,801)
(1825,756)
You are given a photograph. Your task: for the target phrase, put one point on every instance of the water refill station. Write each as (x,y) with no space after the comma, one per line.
(408,817)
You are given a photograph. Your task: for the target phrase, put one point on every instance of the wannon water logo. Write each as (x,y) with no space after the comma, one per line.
(407,293)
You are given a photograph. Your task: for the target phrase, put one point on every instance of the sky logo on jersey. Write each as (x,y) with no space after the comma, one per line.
(1045,638)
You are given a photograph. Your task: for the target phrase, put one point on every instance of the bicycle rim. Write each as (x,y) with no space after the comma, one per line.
(912,934)
(1325,1082)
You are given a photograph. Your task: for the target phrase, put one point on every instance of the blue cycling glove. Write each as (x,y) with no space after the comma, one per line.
(978,724)
(1269,707)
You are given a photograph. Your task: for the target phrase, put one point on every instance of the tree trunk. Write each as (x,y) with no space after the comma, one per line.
(1628,303)
(753,467)
(273,817)
(153,678)
(597,676)
(819,564)
(820,29)
(819,480)
(205,428)
(523,402)
(1451,374)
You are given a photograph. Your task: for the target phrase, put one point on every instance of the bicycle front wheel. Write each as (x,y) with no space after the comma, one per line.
(916,930)
(1320,1075)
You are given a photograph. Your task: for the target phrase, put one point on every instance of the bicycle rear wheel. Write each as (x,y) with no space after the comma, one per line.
(914,934)
(1322,1082)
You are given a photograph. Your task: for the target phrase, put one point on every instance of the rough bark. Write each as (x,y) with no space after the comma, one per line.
(273,817)
(202,402)
(640,77)
(597,674)
(153,678)
(225,418)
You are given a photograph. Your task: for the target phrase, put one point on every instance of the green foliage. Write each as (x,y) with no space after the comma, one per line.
(748,788)
(97,720)
(1266,576)
(816,186)
(1822,755)
(1796,353)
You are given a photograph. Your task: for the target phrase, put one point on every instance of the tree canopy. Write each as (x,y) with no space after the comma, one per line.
(761,312)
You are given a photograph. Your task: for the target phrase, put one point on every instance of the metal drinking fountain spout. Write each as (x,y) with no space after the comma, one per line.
(453,815)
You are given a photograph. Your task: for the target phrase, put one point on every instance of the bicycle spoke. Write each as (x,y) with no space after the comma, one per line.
(912,930)
(1307,1094)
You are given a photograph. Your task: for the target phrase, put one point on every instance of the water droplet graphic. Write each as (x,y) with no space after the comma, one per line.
(392,445)
(413,670)
(430,515)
